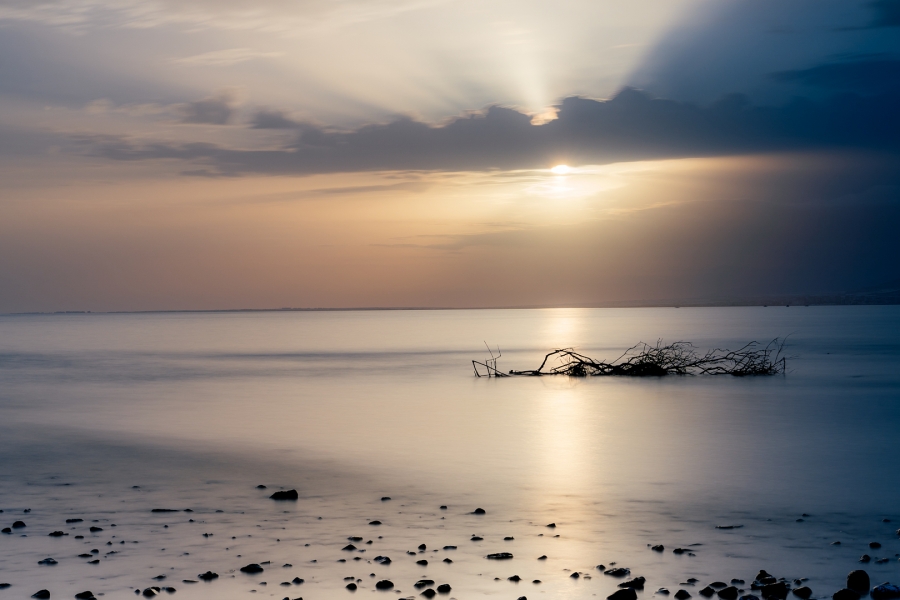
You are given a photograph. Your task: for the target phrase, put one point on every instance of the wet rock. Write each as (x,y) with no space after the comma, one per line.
(762,574)
(479,511)
(251,569)
(57,534)
(444,588)
(88,595)
(623,594)
(423,583)
(728,593)
(836,543)
(448,561)
(150,592)
(680,550)
(3,586)
(749,597)
(6,530)
(349,548)
(858,581)
(737,582)
(514,578)
(885,591)
(845,594)
(260,487)
(774,590)
(575,575)
(422,562)
(48,562)
(449,547)
(718,585)
(728,526)
(429,593)
(355,538)
(18,525)
(658,548)
(618,572)
(95,529)
(208,576)
(297,581)
(865,558)
(551,525)
(285,495)
(374,522)
(443,507)
(164,510)
(508,538)
(385,560)
(874,545)
(707,592)
(682,595)
(41,594)
(663,591)
(637,583)
(351,587)
(804,593)
(499,556)
(384,584)
(422,547)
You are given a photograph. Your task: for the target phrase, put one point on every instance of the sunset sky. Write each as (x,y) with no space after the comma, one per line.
(215,154)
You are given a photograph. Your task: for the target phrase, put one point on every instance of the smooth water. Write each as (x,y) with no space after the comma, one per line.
(347,407)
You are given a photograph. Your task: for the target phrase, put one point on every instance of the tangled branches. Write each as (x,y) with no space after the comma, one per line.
(643,360)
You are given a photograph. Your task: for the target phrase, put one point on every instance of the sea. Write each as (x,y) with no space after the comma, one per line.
(378,416)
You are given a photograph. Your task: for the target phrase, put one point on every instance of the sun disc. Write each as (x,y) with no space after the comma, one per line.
(560,170)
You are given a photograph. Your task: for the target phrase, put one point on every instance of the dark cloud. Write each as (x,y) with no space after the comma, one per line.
(873,75)
(209,111)
(272,119)
(630,126)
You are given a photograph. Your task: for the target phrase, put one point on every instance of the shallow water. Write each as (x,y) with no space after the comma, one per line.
(347,407)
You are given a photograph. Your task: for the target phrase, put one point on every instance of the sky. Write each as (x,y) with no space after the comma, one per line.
(219,154)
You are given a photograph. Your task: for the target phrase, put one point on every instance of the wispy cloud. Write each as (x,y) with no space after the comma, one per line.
(225,58)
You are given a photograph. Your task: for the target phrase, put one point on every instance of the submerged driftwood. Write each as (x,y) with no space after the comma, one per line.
(644,360)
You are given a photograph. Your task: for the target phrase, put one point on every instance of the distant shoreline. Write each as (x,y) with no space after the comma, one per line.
(794,301)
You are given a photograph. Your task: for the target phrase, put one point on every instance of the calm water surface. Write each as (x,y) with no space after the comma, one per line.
(347,407)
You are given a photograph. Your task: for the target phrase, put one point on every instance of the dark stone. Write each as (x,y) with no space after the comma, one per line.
(551,525)
(74,520)
(297,581)
(449,547)
(374,522)
(48,562)
(679,550)
(767,580)
(354,538)
(423,547)
(251,569)
(6,530)
(351,587)
(575,575)
(443,507)
(737,582)
(618,572)
(285,495)
(3,586)
(775,590)
(444,588)
(57,534)
(500,556)
(515,578)
(749,597)
(865,558)
(845,594)
(637,583)
(858,581)
(385,498)
(95,529)
(479,511)
(161,510)
(508,538)
(728,526)
(18,524)
(208,576)
(682,595)
(448,561)
(663,591)
(762,573)
(384,584)
(85,595)
(874,545)
(804,593)
(728,593)
(41,595)
(476,538)
(349,548)
(150,592)
(885,591)
(707,592)
(429,593)
(623,594)
(658,548)
(837,543)
(260,487)
(718,585)
(422,562)
(423,583)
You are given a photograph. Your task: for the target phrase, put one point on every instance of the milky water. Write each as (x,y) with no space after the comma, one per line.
(196,410)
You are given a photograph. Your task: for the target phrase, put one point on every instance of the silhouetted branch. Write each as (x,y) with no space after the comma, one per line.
(643,360)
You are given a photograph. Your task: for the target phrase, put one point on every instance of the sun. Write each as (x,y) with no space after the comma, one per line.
(560,170)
